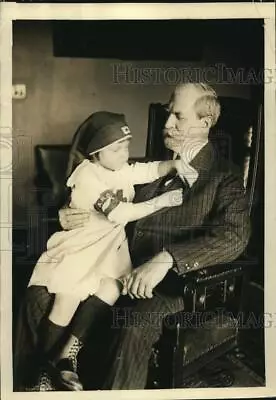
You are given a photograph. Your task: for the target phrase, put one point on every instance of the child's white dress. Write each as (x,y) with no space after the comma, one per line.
(77,260)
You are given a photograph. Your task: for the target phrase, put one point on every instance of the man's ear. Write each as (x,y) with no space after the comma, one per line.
(207,122)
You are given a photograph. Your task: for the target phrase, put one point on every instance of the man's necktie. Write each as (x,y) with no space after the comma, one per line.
(172,181)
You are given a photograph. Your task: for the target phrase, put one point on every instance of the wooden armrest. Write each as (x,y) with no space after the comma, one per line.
(209,286)
(219,272)
(197,281)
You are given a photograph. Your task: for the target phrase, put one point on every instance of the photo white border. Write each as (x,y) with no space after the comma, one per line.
(13,11)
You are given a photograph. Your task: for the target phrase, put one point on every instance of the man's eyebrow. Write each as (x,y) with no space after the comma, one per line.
(169,108)
(179,114)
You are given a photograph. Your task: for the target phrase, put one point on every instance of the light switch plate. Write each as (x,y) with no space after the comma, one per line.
(19,91)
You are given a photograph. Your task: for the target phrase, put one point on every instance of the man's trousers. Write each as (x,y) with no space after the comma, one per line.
(141,328)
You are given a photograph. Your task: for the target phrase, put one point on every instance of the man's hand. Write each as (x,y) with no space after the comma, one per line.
(142,280)
(73,218)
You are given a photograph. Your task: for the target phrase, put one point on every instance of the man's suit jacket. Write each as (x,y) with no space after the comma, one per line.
(212,225)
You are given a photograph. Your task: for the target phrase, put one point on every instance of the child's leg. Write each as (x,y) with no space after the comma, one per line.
(53,327)
(51,331)
(92,310)
(109,291)
(63,309)
(90,313)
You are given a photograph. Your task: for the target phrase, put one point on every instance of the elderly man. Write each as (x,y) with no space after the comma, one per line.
(210,227)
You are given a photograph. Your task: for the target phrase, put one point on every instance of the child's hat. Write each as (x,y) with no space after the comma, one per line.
(102,129)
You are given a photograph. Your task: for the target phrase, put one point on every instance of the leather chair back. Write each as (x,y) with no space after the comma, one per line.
(51,164)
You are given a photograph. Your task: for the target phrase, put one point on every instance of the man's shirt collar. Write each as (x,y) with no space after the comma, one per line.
(190,165)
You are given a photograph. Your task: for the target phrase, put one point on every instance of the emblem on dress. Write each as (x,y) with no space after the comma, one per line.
(108,200)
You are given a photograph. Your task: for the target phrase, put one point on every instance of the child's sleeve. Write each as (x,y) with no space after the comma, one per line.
(89,193)
(85,186)
(139,173)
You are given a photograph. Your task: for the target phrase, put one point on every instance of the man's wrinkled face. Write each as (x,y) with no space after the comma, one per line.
(183,124)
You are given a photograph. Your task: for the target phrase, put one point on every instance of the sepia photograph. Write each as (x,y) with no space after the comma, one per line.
(112,2)
(138,204)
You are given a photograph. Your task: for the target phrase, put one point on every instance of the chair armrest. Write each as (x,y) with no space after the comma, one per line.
(218,273)
(213,286)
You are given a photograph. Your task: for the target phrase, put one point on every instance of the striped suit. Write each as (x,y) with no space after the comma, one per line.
(211,226)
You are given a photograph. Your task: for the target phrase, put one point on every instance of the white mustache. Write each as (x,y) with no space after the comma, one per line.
(172,133)
(174,136)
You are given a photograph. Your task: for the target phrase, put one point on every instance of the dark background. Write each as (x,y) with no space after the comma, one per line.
(159,40)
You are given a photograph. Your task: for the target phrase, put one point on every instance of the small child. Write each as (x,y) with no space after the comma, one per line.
(90,261)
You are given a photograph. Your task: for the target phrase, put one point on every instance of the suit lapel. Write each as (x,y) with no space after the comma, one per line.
(203,163)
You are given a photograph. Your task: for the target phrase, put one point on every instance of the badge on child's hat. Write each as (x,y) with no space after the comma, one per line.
(125,129)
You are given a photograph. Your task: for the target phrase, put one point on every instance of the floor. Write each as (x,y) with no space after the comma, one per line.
(235,369)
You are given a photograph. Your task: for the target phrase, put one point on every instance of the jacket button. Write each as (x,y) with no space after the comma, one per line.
(231,288)
(196,264)
(202,299)
(139,233)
